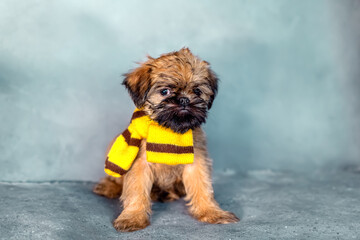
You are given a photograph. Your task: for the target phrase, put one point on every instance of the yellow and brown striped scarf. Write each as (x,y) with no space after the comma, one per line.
(163,145)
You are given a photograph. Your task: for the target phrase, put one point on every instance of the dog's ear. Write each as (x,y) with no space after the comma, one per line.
(213,83)
(138,82)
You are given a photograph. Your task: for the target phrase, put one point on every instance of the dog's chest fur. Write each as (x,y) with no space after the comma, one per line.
(164,175)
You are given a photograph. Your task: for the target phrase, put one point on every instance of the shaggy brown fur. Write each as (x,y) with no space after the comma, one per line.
(176,90)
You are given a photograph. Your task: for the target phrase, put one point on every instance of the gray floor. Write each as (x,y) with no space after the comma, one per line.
(272,205)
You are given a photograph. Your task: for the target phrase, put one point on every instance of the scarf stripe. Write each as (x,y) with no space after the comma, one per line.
(129,140)
(114,168)
(168,148)
(138,114)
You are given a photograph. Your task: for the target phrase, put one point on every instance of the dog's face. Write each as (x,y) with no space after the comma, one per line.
(176,90)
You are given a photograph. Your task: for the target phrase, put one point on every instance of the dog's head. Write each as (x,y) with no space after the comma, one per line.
(176,90)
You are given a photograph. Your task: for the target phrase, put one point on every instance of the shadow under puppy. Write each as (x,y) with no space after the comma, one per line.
(173,94)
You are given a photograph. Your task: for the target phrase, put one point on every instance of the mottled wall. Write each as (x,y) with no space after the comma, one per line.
(289,92)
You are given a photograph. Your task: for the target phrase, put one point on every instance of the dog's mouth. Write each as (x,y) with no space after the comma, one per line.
(181,118)
(183,111)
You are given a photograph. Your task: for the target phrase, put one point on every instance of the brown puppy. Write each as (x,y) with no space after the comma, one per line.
(176,90)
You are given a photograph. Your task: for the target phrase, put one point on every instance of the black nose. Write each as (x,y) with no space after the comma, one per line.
(184,101)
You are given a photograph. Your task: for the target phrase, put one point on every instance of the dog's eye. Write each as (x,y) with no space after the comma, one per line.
(165,92)
(197,91)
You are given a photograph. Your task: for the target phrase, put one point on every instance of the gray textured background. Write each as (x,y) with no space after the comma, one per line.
(288,99)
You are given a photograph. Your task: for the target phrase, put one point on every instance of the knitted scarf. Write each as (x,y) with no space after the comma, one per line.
(163,145)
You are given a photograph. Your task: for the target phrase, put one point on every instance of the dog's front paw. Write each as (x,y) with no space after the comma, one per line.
(108,189)
(218,217)
(129,222)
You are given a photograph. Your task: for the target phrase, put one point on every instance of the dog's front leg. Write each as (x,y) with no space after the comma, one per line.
(199,193)
(136,197)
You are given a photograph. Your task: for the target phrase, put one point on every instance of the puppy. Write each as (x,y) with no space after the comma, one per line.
(176,90)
